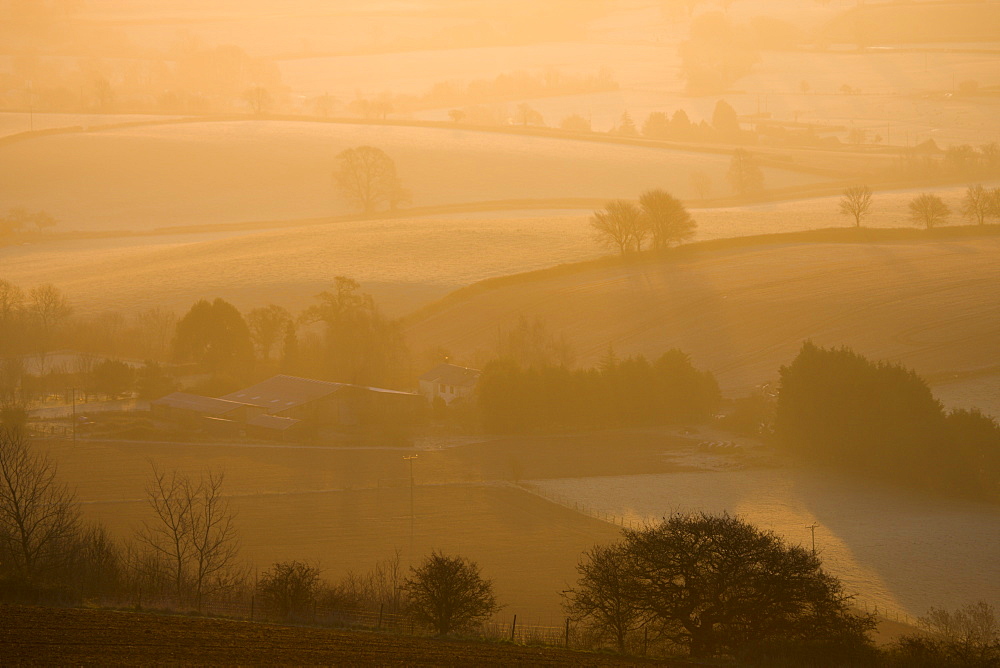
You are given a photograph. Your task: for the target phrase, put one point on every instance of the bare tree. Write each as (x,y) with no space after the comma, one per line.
(366,177)
(258,99)
(666,218)
(856,201)
(288,589)
(214,541)
(978,203)
(39,517)
(449,594)
(929,210)
(620,225)
(605,596)
(267,326)
(192,533)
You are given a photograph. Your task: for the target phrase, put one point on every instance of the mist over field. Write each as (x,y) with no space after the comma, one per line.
(553,323)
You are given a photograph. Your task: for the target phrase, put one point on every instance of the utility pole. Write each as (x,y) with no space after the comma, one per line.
(812,529)
(410,459)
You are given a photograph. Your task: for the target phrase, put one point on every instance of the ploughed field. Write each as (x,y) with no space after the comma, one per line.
(56,636)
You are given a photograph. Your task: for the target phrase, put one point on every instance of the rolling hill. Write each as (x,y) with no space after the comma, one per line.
(930,302)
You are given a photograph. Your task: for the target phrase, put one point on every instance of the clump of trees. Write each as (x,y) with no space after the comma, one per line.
(619,393)
(716,586)
(837,407)
(658,216)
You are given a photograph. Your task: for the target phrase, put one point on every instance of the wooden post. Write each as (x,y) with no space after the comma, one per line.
(567,633)
(252,598)
(513,626)
(380,607)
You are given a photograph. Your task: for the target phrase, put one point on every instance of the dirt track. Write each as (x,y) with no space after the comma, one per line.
(55,636)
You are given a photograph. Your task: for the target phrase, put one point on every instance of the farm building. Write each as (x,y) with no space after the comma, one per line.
(191,410)
(288,408)
(449,382)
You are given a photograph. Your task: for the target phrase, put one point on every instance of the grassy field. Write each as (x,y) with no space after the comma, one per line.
(405,263)
(347,509)
(743,312)
(203,173)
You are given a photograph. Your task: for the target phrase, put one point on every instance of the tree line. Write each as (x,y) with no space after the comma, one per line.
(342,336)
(979,204)
(619,393)
(839,408)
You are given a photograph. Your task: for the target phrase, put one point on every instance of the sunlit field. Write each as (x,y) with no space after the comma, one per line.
(203,173)
(405,263)
(744,312)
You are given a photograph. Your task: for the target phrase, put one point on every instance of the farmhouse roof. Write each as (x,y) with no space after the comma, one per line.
(275,422)
(282,392)
(450,374)
(198,403)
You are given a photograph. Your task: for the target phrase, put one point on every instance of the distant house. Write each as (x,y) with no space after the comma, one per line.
(449,382)
(288,408)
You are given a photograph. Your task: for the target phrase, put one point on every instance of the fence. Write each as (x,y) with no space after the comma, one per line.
(249,608)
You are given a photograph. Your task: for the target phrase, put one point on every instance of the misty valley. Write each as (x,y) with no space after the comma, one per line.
(458,332)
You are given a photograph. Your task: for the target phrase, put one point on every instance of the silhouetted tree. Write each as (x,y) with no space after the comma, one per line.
(744,175)
(192,533)
(267,327)
(215,335)
(667,219)
(978,203)
(258,99)
(857,202)
(39,516)
(606,596)
(929,210)
(725,121)
(449,594)
(362,345)
(366,177)
(656,126)
(575,123)
(289,589)
(626,126)
(620,225)
(526,115)
(719,584)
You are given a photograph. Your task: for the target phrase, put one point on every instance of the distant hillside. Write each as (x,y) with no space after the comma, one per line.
(742,308)
(914,23)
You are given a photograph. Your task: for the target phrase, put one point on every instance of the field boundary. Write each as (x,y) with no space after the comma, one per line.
(828,235)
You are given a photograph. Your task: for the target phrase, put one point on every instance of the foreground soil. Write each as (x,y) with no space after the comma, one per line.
(56,636)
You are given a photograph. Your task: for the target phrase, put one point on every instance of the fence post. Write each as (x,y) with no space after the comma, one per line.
(252,597)
(380,606)
(513,626)
(567,633)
